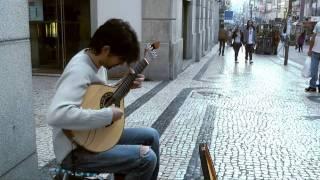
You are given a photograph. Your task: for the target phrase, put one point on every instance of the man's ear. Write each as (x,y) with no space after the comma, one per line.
(105,50)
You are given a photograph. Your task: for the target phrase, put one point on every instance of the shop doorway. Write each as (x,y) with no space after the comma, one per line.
(186,31)
(187,34)
(58,29)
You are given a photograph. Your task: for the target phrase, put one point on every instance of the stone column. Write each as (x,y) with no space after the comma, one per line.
(215,19)
(203,26)
(161,20)
(199,29)
(208,28)
(18,159)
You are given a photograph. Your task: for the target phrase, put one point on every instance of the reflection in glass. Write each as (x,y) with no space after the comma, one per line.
(58,29)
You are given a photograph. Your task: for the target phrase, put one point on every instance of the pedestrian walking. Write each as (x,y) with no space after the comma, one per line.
(229,37)
(249,40)
(275,41)
(222,37)
(237,38)
(301,40)
(314,52)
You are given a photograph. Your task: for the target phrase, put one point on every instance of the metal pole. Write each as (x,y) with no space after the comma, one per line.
(316,14)
(288,21)
(250,4)
(250,11)
(277,9)
(302,2)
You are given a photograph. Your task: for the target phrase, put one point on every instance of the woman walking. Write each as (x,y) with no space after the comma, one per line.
(301,41)
(237,38)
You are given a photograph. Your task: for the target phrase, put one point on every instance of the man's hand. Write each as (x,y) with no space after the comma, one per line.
(138,81)
(116,113)
(309,53)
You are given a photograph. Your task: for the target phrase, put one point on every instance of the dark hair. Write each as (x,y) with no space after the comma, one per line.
(121,38)
(251,24)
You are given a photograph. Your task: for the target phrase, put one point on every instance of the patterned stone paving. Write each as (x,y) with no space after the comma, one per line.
(257,119)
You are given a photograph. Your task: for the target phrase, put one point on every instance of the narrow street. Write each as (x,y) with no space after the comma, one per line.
(257,119)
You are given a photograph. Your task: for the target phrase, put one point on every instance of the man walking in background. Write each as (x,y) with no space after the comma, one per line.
(249,40)
(223,36)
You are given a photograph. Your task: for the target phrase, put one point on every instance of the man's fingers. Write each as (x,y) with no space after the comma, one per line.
(116,113)
(140,76)
(137,83)
(139,79)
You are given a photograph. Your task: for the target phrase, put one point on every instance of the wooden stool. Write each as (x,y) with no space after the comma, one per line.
(118,177)
(59,173)
(207,166)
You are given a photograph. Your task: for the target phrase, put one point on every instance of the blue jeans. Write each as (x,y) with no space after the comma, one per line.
(127,157)
(315,58)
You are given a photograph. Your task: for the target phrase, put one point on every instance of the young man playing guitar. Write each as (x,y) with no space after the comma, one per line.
(136,155)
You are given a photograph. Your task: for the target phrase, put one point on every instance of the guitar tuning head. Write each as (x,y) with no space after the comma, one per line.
(150,50)
(154,53)
(156,45)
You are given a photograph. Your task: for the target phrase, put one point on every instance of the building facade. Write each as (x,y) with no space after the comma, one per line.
(301,9)
(186,29)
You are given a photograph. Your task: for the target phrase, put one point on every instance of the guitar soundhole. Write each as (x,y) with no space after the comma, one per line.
(106,100)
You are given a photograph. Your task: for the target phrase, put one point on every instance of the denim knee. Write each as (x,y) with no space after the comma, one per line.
(153,135)
(148,160)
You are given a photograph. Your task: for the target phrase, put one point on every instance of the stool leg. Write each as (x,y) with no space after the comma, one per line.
(65,176)
(118,177)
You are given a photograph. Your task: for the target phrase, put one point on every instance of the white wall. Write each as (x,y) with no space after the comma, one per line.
(129,10)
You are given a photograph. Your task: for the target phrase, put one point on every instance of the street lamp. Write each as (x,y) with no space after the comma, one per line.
(288,28)
(251,6)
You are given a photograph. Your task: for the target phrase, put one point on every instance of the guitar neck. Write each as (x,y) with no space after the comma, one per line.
(124,87)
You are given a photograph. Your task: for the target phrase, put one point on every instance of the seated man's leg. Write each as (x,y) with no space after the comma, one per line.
(134,161)
(144,136)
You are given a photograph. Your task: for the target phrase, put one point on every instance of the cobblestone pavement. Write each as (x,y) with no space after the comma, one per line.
(257,119)
(294,55)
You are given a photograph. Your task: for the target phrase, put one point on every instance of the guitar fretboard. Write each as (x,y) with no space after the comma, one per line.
(124,87)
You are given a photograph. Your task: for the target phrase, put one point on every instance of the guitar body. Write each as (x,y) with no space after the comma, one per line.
(101,139)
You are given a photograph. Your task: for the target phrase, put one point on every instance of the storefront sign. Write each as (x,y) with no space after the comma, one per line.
(35,10)
(315,18)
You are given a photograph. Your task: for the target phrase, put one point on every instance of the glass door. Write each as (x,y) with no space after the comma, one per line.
(58,29)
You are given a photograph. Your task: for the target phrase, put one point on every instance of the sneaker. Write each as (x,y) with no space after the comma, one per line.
(310,89)
(251,61)
(236,61)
